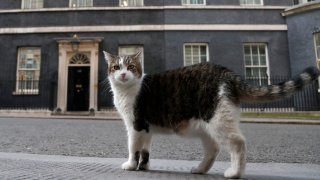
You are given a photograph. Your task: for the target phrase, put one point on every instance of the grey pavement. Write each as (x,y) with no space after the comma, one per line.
(281,143)
(27,166)
(275,151)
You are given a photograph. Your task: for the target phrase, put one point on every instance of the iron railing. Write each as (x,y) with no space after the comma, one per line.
(26,94)
(43,95)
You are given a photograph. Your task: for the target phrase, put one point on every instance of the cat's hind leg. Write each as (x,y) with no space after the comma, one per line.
(228,133)
(211,150)
(237,150)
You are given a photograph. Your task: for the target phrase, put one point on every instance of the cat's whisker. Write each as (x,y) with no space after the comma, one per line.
(106,84)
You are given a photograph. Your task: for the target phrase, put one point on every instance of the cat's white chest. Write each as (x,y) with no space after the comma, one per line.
(124,101)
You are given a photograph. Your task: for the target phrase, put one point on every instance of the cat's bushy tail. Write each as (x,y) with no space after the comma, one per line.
(274,92)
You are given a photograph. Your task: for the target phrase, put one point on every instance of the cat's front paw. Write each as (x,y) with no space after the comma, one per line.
(129,166)
(232,174)
(197,170)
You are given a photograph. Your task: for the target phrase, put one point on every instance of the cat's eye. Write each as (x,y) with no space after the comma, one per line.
(116,67)
(131,67)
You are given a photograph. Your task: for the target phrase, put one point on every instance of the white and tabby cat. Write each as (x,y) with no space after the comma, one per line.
(201,101)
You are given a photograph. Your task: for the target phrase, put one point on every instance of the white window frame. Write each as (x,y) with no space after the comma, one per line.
(317,52)
(188,3)
(137,49)
(28,4)
(19,81)
(257,66)
(194,44)
(247,3)
(124,3)
(72,5)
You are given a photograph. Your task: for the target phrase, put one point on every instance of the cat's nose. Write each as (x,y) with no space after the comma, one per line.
(123,75)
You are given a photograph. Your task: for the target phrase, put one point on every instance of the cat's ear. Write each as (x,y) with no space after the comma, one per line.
(137,56)
(109,57)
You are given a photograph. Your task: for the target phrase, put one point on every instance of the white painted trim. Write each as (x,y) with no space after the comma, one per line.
(226,27)
(301,8)
(197,7)
(128,28)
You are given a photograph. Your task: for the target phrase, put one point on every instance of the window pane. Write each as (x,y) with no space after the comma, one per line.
(184,2)
(247,50)
(127,50)
(203,50)
(318,52)
(254,50)
(187,60)
(257,1)
(192,1)
(262,50)
(139,2)
(196,59)
(32,4)
(131,2)
(263,72)
(248,60)
(196,54)
(255,60)
(188,50)
(263,61)
(250,1)
(203,53)
(196,50)
(81,3)
(255,72)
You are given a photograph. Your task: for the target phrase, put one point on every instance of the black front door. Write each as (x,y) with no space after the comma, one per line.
(78,88)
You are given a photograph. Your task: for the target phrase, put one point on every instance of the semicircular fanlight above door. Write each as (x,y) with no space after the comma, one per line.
(79,58)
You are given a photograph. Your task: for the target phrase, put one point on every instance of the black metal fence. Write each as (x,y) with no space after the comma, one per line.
(308,99)
(43,95)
